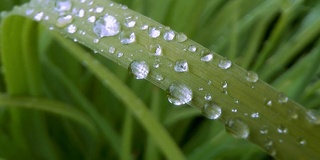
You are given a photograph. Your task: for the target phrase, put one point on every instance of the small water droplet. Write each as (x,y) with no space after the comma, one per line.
(181,37)
(159,77)
(282,129)
(313,117)
(282,98)
(127,37)
(209,82)
(99,9)
(211,110)
(192,48)
(106,25)
(62,5)
(268,103)
(255,115)
(207,97)
(225,64)
(124,7)
(139,69)
(206,56)
(293,114)
(120,54)
(155,49)
(237,128)
(264,130)
(29,12)
(144,27)
(179,93)
(129,22)
(96,40)
(301,141)
(252,77)
(234,110)
(169,35)
(181,66)
(62,21)
(38,16)
(92,19)
(72,29)
(154,32)
(224,84)
(268,142)
(112,50)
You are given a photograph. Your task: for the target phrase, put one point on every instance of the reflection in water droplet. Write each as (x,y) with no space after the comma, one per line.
(211,110)
(72,29)
(206,56)
(155,49)
(179,93)
(181,37)
(237,128)
(106,25)
(139,69)
(181,66)
(62,5)
(169,35)
(225,64)
(127,37)
(282,98)
(154,32)
(252,76)
(282,129)
(192,48)
(62,21)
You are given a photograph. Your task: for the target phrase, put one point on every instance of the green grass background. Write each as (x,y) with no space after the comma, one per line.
(277,39)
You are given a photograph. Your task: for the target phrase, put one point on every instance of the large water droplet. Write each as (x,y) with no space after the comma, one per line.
(169,35)
(237,128)
(206,56)
(181,37)
(225,64)
(181,66)
(62,5)
(155,49)
(127,37)
(62,21)
(139,69)
(282,129)
(282,98)
(252,77)
(211,110)
(154,32)
(179,93)
(106,25)
(313,117)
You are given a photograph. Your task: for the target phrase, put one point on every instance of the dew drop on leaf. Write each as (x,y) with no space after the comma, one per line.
(192,48)
(72,29)
(252,76)
(154,32)
(313,117)
(225,64)
(112,50)
(264,130)
(127,37)
(301,141)
(62,21)
(169,35)
(181,66)
(282,129)
(211,110)
(207,97)
(282,98)
(139,69)
(181,37)
(155,50)
(129,22)
(206,56)
(106,25)
(179,94)
(237,128)
(38,16)
(62,5)
(255,115)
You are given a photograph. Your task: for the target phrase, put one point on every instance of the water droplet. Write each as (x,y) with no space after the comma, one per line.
(181,66)
(127,37)
(159,77)
(79,13)
(92,19)
(252,76)
(181,37)
(120,54)
(211,110)
(106,25)
(129,22)
(264,130)
(293,114)
(224,84)
(124,7)
(72,29)
(206,56)
(192,48)
(255,115)
(139,69)
(62,21)
(237,128)
(301,141)
(271,150)
(207,97)
(234,110)
(154,32)
(38,16)
(99,9)
(179,93)
(225,64)
(169,35)
(29,12)
(62,5)
(283,98)
(144,27)
(96,40)
(282,129)
(112,50)
(268,103)
(268,142)
(155,49)
(313,117)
